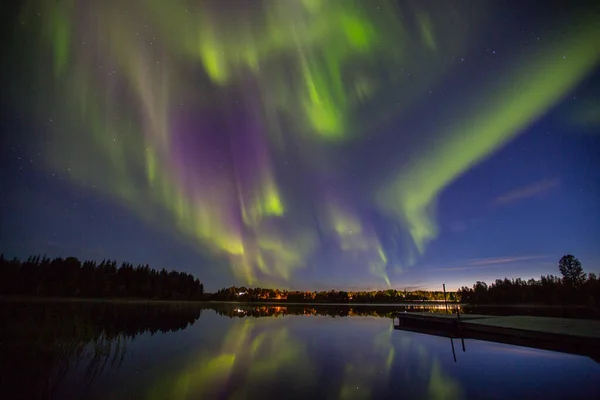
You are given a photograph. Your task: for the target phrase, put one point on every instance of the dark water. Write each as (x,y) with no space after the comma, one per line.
(148,351)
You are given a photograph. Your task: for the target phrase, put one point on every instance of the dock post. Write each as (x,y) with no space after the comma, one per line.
(453,352)
(445,301)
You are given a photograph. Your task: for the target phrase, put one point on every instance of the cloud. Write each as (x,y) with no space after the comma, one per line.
(415,288)
(505,260)
(525,192)
(483,263)
(468,268)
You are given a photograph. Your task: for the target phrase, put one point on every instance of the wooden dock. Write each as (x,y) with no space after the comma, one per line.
(574,336)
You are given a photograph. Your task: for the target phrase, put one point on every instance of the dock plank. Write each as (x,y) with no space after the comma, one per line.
(440,315)
(589,329)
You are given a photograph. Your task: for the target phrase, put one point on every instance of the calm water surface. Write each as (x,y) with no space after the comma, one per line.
(127,351)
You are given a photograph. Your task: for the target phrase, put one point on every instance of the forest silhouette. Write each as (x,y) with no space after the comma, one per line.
(69,277)
(575,287)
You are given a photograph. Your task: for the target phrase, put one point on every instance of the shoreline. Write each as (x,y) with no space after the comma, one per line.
(440,305)
(198,302)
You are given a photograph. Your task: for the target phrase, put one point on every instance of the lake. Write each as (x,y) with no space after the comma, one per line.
(112,350)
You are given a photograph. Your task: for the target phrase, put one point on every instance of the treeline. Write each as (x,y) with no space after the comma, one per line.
(68,277)
(244,294)
(575,287)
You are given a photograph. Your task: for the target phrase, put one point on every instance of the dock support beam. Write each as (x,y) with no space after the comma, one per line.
(453,352)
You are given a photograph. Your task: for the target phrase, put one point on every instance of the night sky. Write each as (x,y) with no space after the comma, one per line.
(304,144)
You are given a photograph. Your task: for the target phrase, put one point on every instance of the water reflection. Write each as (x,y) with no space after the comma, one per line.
(150,351)
(349,358)
(251,354)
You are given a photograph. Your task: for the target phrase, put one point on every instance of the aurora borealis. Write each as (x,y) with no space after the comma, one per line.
(306,143)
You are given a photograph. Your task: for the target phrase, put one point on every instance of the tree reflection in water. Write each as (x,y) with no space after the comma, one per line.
(43,342)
